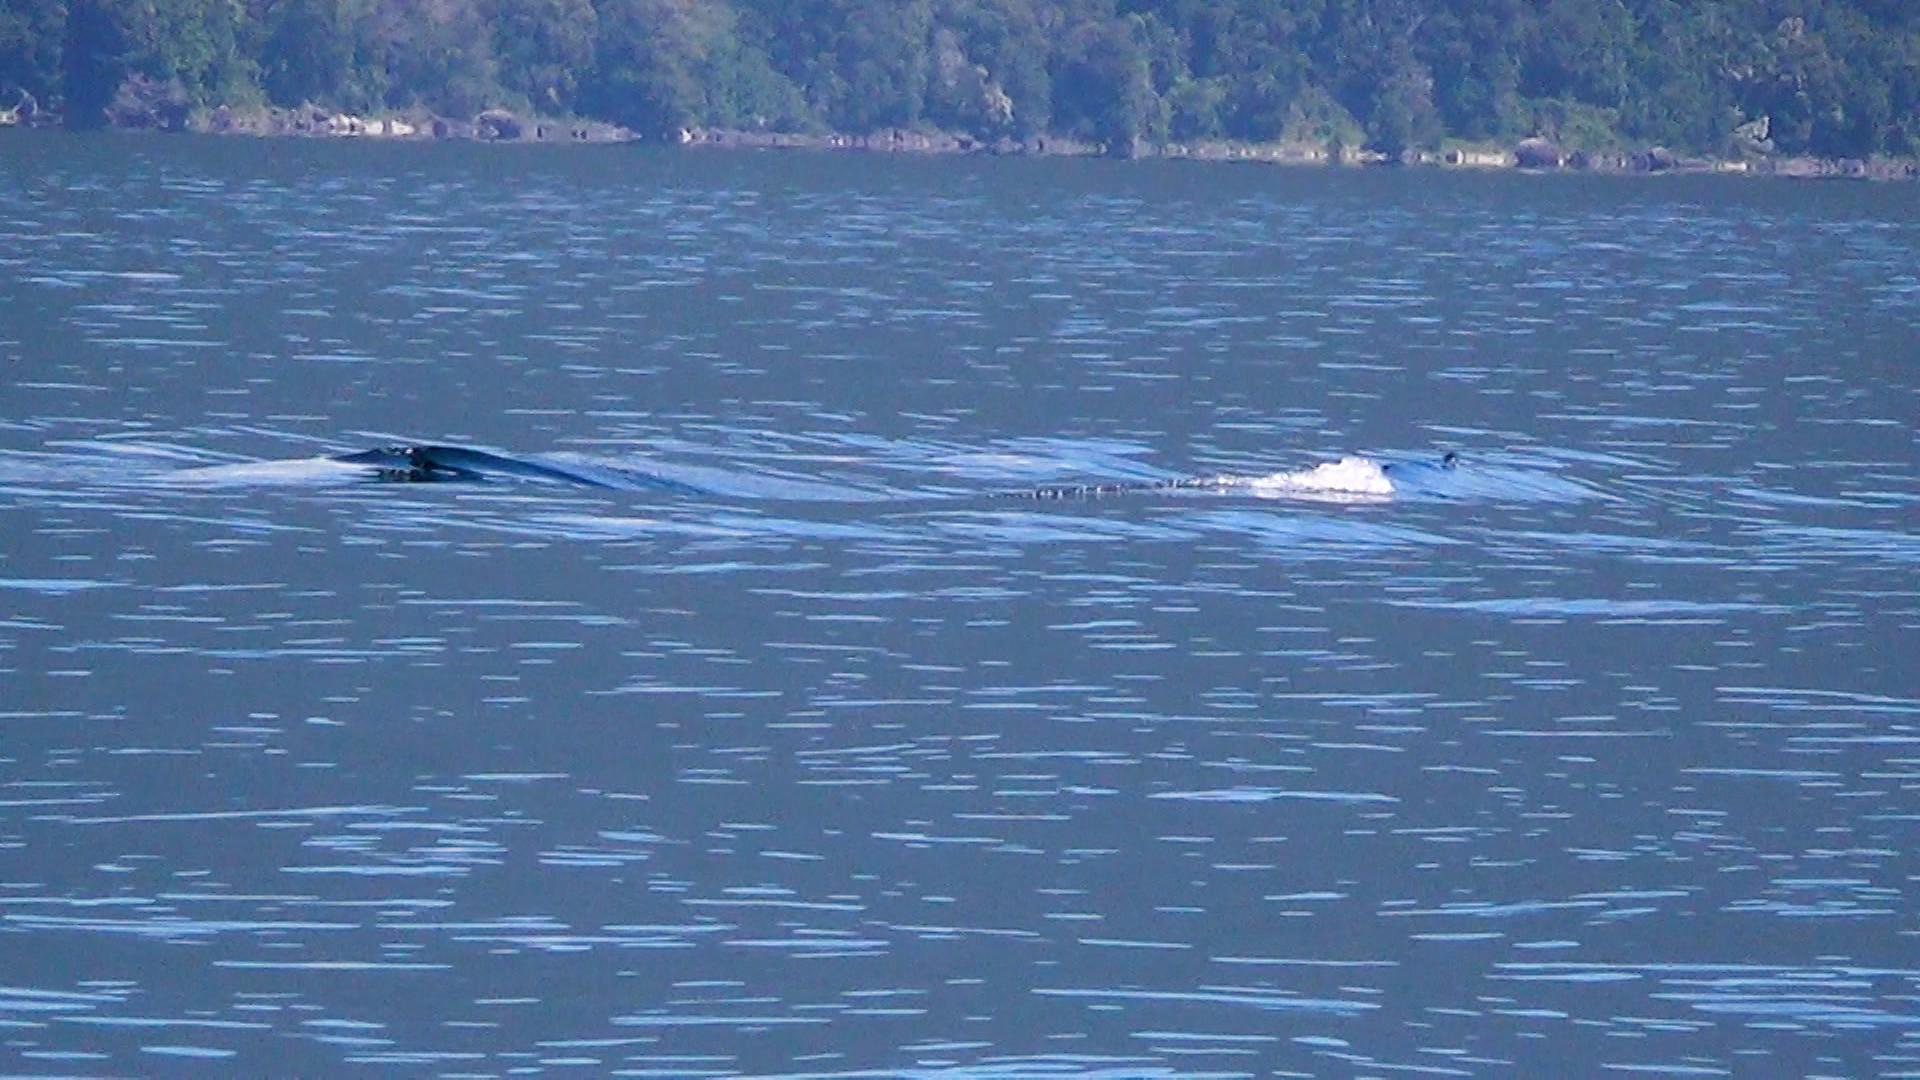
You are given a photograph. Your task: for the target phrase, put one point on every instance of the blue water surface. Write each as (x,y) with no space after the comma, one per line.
(839,755)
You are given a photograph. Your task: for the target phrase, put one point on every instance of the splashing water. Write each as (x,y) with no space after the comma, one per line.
(1347,477)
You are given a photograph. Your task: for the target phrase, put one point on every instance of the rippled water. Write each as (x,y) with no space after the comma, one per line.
(1597,752)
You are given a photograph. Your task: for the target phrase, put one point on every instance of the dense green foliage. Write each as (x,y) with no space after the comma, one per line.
(1830,77)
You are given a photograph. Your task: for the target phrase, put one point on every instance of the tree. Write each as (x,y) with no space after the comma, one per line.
(30,49)
(191,48)
(744,91)
(1194,107)
(541,47)
(1678,95)
(93,60)
(437,55)
(1378,75)
(308,51)
(646,64)
(1009,40)
(1579,49)
(1829,77)
(1102,90)
(1403,117)
(1265,55)
(885,58)
(862,65)
(1474,55)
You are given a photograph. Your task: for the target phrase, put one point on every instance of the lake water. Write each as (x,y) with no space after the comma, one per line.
(1598,752)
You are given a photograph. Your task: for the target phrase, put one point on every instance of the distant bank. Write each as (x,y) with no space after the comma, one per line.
(504,126)
(1538,155)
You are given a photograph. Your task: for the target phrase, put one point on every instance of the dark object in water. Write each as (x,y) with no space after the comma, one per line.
(408,464)
(431,463)
(1448,460)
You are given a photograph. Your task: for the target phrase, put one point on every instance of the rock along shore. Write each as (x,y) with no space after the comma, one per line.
(1534,155)
(500,125)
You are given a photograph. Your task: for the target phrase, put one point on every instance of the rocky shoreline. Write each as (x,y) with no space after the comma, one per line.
(157,112)
(1532,155)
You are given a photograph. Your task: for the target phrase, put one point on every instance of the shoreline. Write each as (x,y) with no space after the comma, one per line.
(503,126)
(1528,156)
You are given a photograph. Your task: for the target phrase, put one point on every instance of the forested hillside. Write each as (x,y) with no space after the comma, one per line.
(1833,78)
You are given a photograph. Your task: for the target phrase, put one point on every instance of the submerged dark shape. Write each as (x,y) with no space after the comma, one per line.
(1448,460)
(406,464)
(436,463)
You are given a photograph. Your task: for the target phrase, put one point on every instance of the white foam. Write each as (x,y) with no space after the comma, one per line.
(1348,476)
